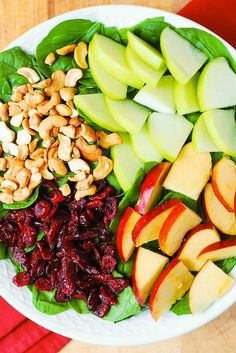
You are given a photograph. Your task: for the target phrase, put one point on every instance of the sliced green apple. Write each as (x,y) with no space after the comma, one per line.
(145,72)
(168,132)
(182,58)
(159,98)
(201,138)
(210,284)
(146,268)
(143,147)
(94,107)
(126,163)
(107,83)
(190,172)
(186,96)
(111,56)
(127,113)
(222,129)
(217,85)
(145,51)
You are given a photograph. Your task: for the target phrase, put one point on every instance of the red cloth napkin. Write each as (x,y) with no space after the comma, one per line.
(20,335)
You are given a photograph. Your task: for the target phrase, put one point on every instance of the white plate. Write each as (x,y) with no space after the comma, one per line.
(141,328)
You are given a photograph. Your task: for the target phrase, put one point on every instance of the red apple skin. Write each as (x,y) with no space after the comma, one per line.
(218,246)
(148,217)
(120,232)
(235,204)
(218,194)
(159,281)
(152,182)
(192,232)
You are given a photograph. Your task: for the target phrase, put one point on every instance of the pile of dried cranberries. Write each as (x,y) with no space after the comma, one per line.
(75,256)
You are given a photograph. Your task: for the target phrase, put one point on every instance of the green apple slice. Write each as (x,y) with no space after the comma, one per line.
(186,96)
(222,128)
(160,98)
(143,146)
(217,85)
(145,72)
(111,56)
(201,138)
(182,58)
(146,52)
(168,132)
(125,163)
(94,107)
(129,114)
(107,83)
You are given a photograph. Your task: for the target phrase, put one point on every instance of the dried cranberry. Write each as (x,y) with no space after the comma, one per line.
(107,296)
(94,204)
(84,219)
(108,249)
(102,310)
(110,209)
(29,235)
(93,299)
(21,279)
(61,297)
(56,196)
(20,257)
(108,264)
(43,284)
(42,209)
(53,231)
(80,294)
(117,285)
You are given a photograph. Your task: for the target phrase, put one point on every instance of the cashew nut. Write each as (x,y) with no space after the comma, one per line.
(74,111)
(33,145)
(30,74)
(6,134)
(13,109)
(66,50)
(32,165)
(72,76)
(9,184)
(13,149)
(67,93)
(17,120)
(104,167)
(55,131)
(88,133)
(45,107)
(23,137)
(50,59)
(79,176)
(57,82)
(23,89)
(65,148)
(76,122)
(47,124)
(89,152)
(42,84)
(23,105)
(58,166)
(45,173)
(22,194)
(65,189)
(63,109)
(80,53)
(6,198)
(82,193)
(35,180)
(52,152)
(16,97)
(25,125)
(4,115)
(34,121)
(23,177)
(84,184)
(23,151)
(78,164)
(68,131)
(38,153)
(47,143)
(108,140)
(3,164)
(32,100)
(75,152)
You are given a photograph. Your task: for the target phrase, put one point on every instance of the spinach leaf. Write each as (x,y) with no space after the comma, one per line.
(112,180)
(127,306)
(3,251)
(39,237)
(23,204)
(185,199)
(227,264)
(3,211)
(207,43)
(132,195)
(79,306)
(216,156)
(87,85)
(111,32)
(125,268)
(181,307)
(193,117)
(46,303)
(7,84)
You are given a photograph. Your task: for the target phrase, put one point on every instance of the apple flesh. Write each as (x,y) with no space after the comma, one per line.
(177,224)
(174,281)
(151,188)
(168,132)
(186,96)
(224,182)
(159,98)
(219,250)
(182,58)
(224,220)
(217,85)
(94,107)
(147,266)
(149,225)
(124,242)
(190,172)
(129,114)
(197,240)
(108,84)
(210,284)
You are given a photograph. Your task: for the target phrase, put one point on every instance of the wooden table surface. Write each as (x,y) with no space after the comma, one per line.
(219,336)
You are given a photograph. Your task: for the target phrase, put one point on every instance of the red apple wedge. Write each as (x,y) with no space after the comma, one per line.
(197,240)
(149,225)
(124,242)
(219,250)
(177,224)
(174,281)
(223,181)
(208,286)
(146,268)
(224,220)
(151,188)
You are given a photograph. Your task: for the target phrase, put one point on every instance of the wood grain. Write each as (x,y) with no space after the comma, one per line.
(219,336)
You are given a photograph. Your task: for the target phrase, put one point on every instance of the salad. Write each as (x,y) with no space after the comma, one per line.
(118,169)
